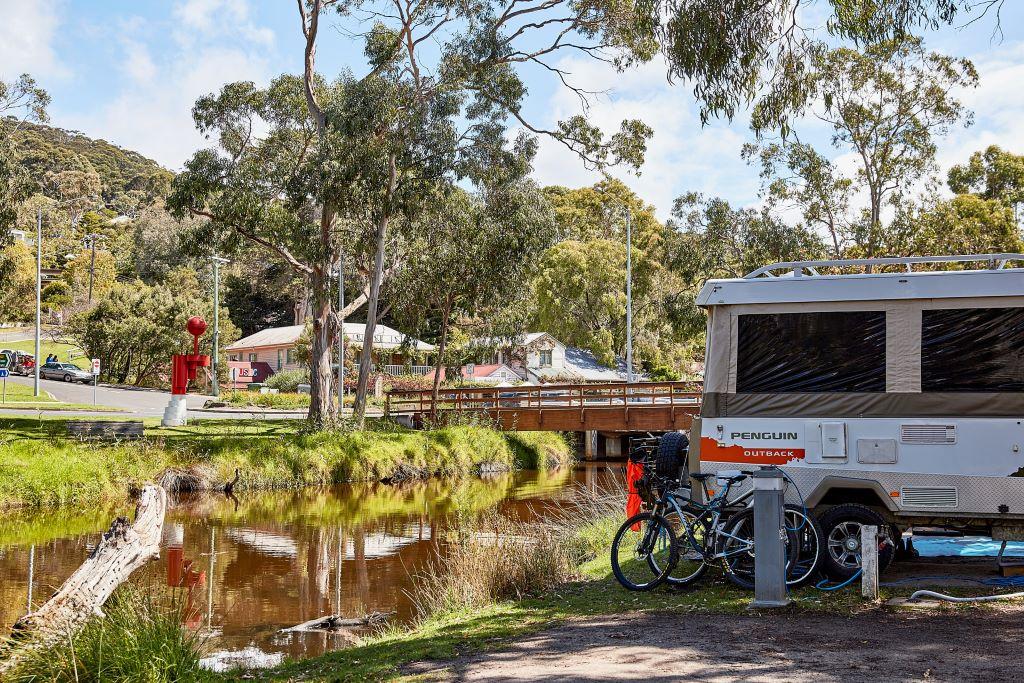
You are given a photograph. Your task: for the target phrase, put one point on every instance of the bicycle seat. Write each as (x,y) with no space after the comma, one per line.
(702,476)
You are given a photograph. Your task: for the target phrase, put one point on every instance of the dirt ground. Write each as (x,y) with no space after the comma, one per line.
(883,645)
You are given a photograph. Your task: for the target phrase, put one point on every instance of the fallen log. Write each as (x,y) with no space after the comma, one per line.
(336,622)
(121,550)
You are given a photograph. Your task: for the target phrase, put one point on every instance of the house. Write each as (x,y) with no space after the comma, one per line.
(489,373)
(275,348)
(539,358)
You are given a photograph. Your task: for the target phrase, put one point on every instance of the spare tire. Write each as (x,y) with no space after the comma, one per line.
(673,449)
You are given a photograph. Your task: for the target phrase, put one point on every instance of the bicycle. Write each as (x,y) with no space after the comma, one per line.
(720,531)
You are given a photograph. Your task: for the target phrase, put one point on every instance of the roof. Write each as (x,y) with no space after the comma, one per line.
(803,283)
(582,365)
(483,371)
(272,336)
(383,337)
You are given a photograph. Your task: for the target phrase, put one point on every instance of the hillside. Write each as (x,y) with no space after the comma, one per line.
(127,180)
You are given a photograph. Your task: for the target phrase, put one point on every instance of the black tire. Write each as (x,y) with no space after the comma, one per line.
(631,550)
(673,449)
(738,564)
(690,563)
(67,378)
(840,527)
(808,532)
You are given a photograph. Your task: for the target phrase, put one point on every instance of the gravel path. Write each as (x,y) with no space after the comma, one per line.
(966,645)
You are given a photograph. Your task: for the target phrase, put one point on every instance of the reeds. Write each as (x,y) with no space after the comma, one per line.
(137,640)
(491,558)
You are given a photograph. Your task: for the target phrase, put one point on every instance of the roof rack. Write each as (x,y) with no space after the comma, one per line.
(810,268)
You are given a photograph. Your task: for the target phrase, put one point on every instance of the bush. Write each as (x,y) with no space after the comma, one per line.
(288,381)
(138,640)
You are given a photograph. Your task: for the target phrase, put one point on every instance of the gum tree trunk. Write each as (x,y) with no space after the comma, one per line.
(321,378)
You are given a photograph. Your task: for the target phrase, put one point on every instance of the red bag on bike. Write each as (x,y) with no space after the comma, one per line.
(634,470)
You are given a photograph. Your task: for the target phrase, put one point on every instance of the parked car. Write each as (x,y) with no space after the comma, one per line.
(68,372)
(19,363)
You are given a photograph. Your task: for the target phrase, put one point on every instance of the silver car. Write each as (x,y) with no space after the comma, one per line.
(68,372)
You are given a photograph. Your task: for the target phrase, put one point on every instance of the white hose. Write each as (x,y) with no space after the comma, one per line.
(950,598)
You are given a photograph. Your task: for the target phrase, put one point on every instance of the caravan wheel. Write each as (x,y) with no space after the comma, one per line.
(841,527)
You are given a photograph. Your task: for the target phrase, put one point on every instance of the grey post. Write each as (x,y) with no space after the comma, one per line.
(769,540)
(869,561)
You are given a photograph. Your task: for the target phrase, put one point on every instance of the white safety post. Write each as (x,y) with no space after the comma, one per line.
(869,561)
(95,378)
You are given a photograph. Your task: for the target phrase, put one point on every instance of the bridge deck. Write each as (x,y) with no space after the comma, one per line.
(620,407)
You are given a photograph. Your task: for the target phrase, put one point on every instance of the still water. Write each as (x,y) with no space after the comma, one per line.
(250,567)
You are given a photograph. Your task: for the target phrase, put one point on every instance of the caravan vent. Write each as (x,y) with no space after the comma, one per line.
(928,434)
(928,496)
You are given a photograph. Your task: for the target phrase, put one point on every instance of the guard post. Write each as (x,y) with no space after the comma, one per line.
(769,539)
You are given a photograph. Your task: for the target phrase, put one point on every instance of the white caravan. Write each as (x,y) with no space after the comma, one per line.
(891,390)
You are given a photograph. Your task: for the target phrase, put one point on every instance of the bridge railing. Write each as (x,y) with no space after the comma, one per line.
(529,397)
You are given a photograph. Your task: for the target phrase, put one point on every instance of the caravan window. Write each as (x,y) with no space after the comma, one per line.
(972,349)
(811,352)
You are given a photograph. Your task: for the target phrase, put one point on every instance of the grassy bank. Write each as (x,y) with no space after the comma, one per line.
(39,465)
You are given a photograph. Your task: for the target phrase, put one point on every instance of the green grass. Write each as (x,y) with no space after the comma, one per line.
(138,640)
(40,466)
(46,347)
(20,393)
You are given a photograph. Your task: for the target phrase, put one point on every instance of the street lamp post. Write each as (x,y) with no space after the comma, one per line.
(629,297)
(92,237)
(215,361)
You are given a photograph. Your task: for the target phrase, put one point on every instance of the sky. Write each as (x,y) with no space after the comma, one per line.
(129,72)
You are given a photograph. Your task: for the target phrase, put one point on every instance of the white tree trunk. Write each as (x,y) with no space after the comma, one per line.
(123,549)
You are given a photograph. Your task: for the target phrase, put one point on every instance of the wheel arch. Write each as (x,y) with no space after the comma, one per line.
(833,490)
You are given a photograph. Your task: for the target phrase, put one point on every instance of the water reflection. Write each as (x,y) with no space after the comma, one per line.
(246,569)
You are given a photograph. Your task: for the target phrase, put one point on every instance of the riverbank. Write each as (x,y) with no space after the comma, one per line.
(41,466)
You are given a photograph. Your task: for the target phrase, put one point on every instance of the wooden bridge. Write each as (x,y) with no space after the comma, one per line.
(606,408)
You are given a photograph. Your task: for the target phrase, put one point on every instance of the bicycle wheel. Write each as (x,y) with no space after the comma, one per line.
(632,548)
(691,534)
(809,536)
(735,546)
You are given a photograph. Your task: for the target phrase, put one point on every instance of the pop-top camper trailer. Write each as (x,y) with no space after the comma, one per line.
(891,390)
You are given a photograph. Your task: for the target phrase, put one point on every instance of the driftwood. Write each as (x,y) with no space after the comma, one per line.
(336,622)
(123,549)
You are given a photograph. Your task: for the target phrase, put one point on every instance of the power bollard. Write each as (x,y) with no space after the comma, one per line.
(769,540)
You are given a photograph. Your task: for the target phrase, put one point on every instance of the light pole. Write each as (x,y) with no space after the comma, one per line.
(215,361)
(629,297)
(39,293)
(92,237)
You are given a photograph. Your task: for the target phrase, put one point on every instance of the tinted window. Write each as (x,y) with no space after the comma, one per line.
(972,349)
(811,352)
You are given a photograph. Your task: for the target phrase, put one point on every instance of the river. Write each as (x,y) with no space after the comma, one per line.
(246,568)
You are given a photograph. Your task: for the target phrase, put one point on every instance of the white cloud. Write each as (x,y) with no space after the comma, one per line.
(27,32)
(154,118)
(204,17)
(682,156)
(138,64)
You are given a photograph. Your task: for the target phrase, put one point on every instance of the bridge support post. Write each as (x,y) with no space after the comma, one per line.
(590,445)
(613,446)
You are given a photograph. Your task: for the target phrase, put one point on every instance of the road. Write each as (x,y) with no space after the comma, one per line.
(137,402)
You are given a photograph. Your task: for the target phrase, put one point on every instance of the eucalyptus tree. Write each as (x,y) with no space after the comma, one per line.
(737,52)
(436,103)
(470,264)
(885,105)
(20,100)
(994,174)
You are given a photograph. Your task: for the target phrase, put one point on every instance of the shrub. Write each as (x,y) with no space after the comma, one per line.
(288,381)
(137,640)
